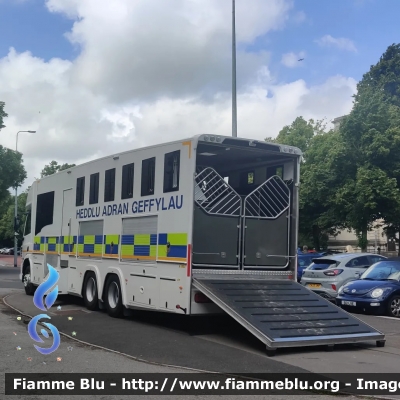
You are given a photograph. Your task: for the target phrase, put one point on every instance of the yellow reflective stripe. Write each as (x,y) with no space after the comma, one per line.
(131,257)
(177,239)
(172,259)
(88,239)
(127,249)
(162,250)
(112,238)
(142,240)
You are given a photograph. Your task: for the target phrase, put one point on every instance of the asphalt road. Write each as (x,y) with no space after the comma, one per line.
(219,345)
(9,276)
(82,359)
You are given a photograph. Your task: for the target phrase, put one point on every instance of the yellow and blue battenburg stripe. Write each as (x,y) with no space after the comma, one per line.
(139,246)
(67,244)
(172,246)
(111,246)
(52,245)
(90,245)
(162,247)
(39,244)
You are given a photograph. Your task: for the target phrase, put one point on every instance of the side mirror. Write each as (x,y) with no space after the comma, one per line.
(357,274)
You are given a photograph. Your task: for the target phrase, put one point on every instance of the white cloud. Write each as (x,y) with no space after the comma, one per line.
(340,43)
(291,60)
(152,71)
(300,17)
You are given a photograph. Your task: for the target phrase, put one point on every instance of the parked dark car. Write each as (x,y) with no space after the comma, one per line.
(10,251)
(304,260)
(377,291)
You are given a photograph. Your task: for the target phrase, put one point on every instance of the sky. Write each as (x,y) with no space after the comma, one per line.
(95,77)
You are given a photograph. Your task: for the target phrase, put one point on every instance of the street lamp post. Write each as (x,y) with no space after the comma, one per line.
(16,209)
(234,105)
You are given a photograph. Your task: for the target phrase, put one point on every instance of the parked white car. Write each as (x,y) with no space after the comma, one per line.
(326,275)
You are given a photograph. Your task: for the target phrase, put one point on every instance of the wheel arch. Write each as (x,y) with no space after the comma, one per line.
(390,297)
(118,273)
(94,269)
(27,263)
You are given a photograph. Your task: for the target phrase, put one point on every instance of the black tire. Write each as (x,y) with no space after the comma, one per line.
(90,292)
(113,297)
(393,307)
(29,287)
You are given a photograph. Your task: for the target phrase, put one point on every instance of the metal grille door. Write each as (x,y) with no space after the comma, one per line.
(269,200)
(266,212)
(214,195)
(217,222)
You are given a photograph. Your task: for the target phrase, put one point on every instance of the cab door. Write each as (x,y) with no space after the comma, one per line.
(66,241)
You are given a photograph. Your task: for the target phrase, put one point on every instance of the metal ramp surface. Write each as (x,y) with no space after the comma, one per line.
(283,313)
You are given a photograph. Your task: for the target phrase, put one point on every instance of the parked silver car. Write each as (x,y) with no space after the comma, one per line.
(327,274)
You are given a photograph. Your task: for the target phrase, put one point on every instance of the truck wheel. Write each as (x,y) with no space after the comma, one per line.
(394,307)
(90,293)
(29,287)
(113,297)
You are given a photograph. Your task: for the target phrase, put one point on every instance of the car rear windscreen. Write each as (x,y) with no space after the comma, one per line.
(319,264)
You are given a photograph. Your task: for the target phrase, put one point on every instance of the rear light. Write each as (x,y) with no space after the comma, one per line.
(334,287)
(201,298)
(333,272)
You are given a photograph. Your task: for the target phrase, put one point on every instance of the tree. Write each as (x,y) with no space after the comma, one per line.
(54,167)
(316,219)
(384,76)
(298,134)
(2,115)
(12,171)
(371,171)
(7,219)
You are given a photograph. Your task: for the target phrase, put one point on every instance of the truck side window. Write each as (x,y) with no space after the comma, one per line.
(109,185)
(80,191)
(44,211)
(171,171)
(127,181)
(148,176)
(27,228)
(94,188)
(246,178)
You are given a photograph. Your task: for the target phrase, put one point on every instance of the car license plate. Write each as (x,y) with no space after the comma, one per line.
(314,285)
(349,303)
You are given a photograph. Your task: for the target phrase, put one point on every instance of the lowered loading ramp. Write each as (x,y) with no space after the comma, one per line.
(283,313)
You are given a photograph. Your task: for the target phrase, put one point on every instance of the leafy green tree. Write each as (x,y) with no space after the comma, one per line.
(384,75)
(2,115)
(317,219)
(7,220)
(298,134)
(12,171)
(371,167)
(4,205)
(54,167)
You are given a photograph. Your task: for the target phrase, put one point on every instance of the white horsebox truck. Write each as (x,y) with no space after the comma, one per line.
(197,226)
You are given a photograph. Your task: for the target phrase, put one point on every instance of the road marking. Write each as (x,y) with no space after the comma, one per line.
(382,316)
